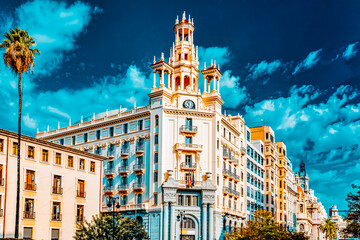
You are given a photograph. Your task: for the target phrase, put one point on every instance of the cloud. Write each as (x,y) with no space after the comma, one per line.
(231,92)
(321,127)
(221,55)
(350,51)
(263,68)
(311,60)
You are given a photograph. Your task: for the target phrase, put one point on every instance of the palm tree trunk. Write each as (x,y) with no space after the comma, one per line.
(18,164)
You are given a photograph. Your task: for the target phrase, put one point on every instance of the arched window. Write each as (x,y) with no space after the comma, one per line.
(188,223)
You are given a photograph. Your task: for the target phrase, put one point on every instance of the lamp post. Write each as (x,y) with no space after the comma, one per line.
(113,202)
(181,217)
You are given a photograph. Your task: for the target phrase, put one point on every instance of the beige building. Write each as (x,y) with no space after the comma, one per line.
(59,187)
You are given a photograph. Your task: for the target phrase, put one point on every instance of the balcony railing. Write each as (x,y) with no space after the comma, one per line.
(231,191)
(29,214)
(57,190)
(30,186)
(81,194)
(234,175)
(109,172)
(225,154)
(139,167)
(188,166)
(80,218)
(242,150)
(123,187)
(188,129)
(226,172)
(188,147)
(2,182)
(124,170)
(140,149)
(56,217)
(127,207)
(138,186)
(109,188)
(125,152)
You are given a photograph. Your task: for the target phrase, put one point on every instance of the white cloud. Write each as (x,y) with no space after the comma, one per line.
(263,68)
(311,60)
(231,92)
(350,51)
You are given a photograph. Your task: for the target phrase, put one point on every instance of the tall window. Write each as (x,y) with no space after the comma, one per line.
(82,164)
(98,133)
(188,140)
(30,180)
(156,157)
(156,176)
(156,139)
(125,128)
(70,162)
(1,145)
(139,199)
(61,141)
(28,233)
(85,137)
(80,188)
(80,213)
(58,158)
(56,211)
(15,148)
(188,160)
(73,139)
(1,177)
(29,208)
(189,123)
(140,125)
(156,121)
(45,155)
(31,152)
(92,166)
(155,199)
(111,131)
(57,189)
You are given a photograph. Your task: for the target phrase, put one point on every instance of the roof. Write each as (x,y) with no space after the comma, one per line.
(52,145)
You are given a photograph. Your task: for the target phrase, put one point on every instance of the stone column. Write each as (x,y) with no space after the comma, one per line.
(162,78)
(182,81)
(154,84)
(172,221)
(218,85)
(166,220)
(204,221)
(209,90)
(214,84)
(191,82)
(168,80)
(211,221)
(172,82)
(204,84)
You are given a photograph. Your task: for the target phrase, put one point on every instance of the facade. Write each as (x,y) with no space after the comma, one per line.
(291,197)
(335,217)
(310,212)
(59,187)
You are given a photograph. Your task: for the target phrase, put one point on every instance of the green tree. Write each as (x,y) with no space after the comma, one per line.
(330,228)
(353,215)
(101,228)
(20,57)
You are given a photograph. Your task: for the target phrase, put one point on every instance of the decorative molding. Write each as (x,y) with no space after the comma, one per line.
(189,113)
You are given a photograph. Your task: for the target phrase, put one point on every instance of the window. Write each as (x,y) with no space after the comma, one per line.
(82,164)
(139,199)
(111,131)
(70,162)
(56,211)
(125,128)
(124,200)
(15,148)
(57,189)
(31,152)
(55,234)
(73,140)
(189,123)
(85,137)
(156,157)
(29,208)
(1,178)
(188,140)
(30,180)
(58,158)
(80,188)
(156,139)
(155,176)
(80,213)
(1,145)
(28,233)
(140,125)
(92,166)
(188,160)
(155,199)
(61,141)
(98,133)
(45,155)
(156,121)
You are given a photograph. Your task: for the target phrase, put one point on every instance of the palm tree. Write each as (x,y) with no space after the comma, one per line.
(20,58)
(330,228)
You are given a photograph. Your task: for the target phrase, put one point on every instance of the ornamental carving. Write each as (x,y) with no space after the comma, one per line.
(147,136)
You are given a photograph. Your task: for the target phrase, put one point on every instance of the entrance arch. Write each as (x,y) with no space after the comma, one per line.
(190,228)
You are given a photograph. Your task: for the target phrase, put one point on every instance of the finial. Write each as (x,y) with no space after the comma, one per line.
(219,66)
(81,119)
(107,112)
(162,56)
(177,19)
(93,116)
(48,128)
(192,21)
(120,109)
(204,65)
(134,104)
(211,63)
(58,125)
(214,63)
(189,18)
(69,122)
(154,60)
(37,130)
(184,16)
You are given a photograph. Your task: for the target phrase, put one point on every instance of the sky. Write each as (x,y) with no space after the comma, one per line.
(291,65)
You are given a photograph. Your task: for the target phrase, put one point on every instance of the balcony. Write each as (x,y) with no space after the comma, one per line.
(2,182)
(139,187)
(243,151)
(125,152)
(231,158)
(123,189)
(80,193)
(56,217)
(124,171)
(236,161)
(189,147)
(231,191)
(226,172)
(80,218)
(109,190)
(188,167)
(139,169)
(111,154)
(225,154)
(30,186)
(191,130)
(57,190)
(235,176)
(140,149)
(109,172)
(133,207)
(29,214)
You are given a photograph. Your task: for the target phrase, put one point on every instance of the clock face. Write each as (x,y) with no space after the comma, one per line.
(189,104)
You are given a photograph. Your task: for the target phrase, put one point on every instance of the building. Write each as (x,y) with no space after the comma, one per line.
(179,153)
(59,187)
(310,212)
(335,217)
(291,197)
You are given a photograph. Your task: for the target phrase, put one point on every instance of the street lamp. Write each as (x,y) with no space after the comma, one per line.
(113,202)
(181,218)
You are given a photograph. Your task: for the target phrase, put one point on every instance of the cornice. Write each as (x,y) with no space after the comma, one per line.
(188,112)
(225,122)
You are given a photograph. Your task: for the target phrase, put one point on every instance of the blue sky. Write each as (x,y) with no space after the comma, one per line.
(292,64)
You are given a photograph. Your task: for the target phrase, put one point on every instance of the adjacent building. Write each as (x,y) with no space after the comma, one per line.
(59,187)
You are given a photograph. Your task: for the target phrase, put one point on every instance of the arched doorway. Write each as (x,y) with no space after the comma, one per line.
(189,229)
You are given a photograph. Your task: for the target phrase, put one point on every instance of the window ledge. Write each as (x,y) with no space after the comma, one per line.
(31,159)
